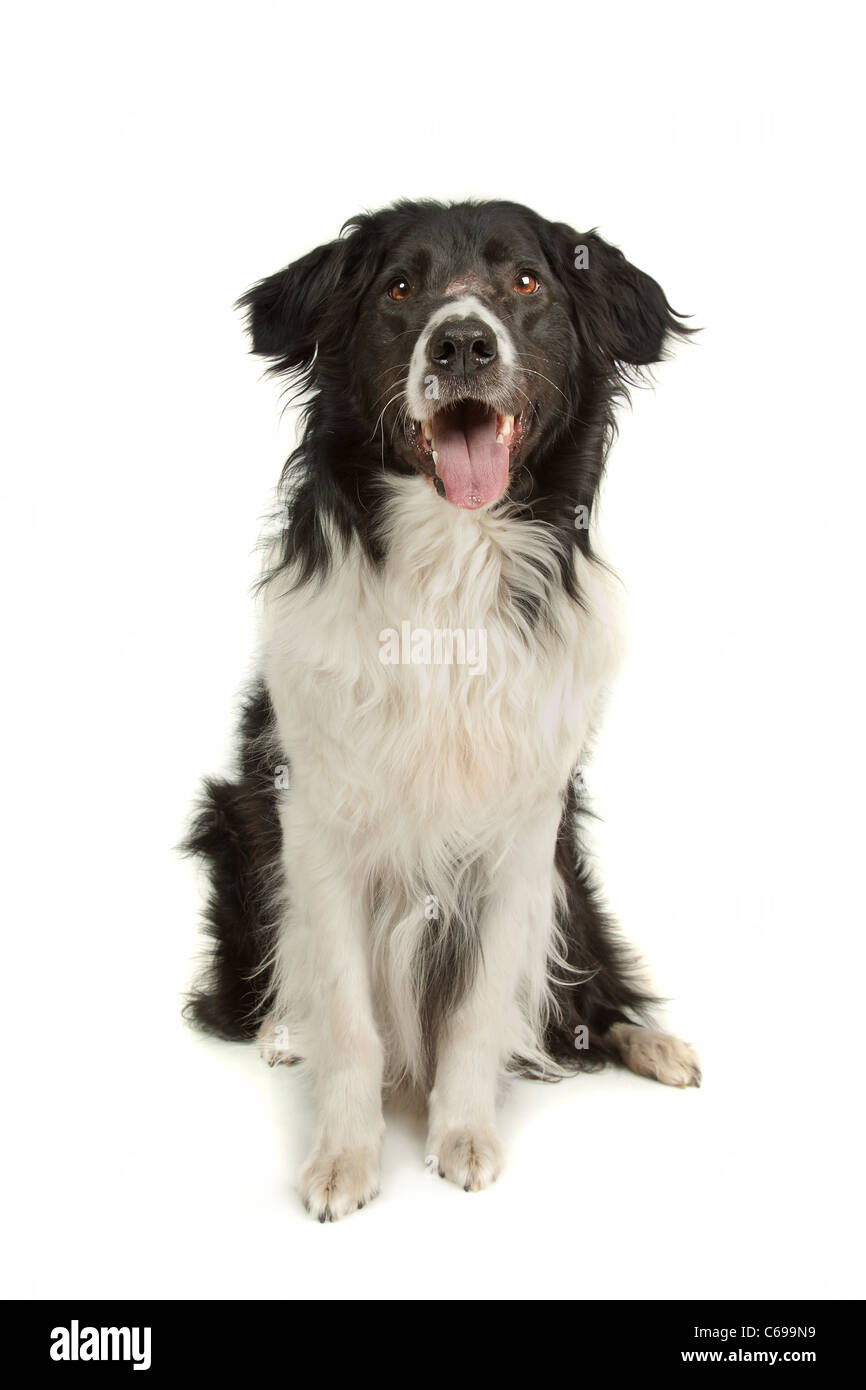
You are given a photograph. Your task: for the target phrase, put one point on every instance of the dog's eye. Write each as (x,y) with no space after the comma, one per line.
(400,289)
(526,282)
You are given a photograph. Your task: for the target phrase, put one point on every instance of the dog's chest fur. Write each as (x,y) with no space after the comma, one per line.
(438,749)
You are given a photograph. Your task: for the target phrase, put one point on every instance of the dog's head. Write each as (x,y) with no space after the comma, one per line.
(462,341)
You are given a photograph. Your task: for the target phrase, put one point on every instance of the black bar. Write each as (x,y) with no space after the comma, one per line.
(247,1338)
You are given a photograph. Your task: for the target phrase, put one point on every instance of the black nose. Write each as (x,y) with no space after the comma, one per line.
(463,346)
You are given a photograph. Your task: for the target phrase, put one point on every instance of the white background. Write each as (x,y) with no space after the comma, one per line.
(159,158)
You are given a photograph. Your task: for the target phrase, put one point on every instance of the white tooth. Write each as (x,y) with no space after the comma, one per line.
(508,424)
(500,438)
(428,430)
(435,456)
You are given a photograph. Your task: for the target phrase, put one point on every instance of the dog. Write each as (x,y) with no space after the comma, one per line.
(400,895)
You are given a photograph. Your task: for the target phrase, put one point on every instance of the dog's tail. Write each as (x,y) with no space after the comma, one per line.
(236,832)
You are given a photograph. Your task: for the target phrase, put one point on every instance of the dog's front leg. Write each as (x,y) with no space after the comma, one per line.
(343,1049)
(476,1040)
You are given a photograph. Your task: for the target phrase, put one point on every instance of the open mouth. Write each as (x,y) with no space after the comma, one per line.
(469,448)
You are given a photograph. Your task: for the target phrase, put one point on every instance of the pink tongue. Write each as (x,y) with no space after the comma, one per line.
(472,466)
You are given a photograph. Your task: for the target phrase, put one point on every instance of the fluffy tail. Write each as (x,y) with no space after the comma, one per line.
(236,831)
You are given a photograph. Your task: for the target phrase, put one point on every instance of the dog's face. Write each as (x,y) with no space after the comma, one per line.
(464,338)
(465,341)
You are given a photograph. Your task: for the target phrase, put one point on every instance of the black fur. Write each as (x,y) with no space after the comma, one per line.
(237,833)
(608,989)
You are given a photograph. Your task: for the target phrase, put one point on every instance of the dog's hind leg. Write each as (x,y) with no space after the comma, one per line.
(603,997)
(657,1055)
(236,833)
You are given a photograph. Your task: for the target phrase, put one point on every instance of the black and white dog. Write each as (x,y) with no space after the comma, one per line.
(399,893)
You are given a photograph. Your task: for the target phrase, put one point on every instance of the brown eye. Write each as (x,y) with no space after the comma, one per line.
(526,282)
(400,290)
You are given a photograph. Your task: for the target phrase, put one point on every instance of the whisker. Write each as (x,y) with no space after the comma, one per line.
(530,372)
(390,387)
(381,414)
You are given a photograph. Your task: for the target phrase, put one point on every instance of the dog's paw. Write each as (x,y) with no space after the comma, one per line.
(333,1184)
(658,1055)
(471,1157)
(274,1045)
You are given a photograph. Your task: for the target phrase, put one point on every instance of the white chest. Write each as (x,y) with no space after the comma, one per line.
(421,689)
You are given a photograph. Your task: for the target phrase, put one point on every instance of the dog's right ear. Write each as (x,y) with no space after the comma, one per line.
(287,312)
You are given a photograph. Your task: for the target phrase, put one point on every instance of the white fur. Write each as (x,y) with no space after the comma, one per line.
(409,784)
(658,1055)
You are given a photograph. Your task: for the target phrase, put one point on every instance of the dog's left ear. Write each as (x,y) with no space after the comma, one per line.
(620,312)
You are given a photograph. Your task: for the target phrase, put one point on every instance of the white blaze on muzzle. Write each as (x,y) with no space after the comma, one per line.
(469,439)
(422,386)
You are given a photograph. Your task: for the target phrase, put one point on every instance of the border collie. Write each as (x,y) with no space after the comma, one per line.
(399,893)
